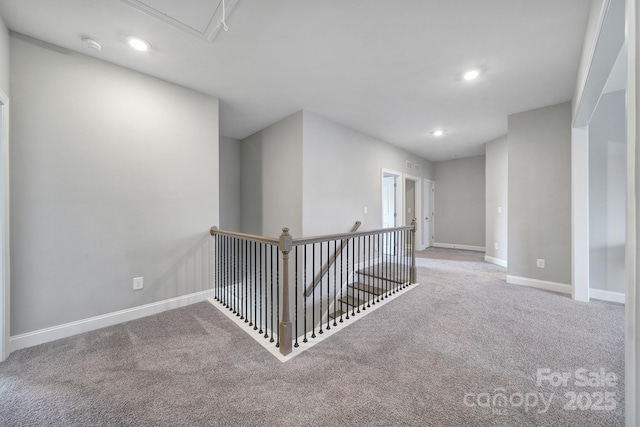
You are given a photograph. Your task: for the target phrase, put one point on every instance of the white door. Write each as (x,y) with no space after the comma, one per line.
(389,214)
(388,201)
(429,195)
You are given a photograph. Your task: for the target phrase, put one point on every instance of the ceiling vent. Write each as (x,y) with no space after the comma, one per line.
(200,18)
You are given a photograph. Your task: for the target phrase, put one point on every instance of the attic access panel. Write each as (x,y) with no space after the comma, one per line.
(200,18)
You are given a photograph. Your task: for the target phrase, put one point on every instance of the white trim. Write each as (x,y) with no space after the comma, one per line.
(5,277)
(456,246)
(53,333)
(496,261)
(580,213)
(610,296)
(540,284)
(632,357)
(275,351)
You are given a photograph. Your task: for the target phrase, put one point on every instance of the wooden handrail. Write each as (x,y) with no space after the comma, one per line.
(251,237)
(350,235)
(332,259)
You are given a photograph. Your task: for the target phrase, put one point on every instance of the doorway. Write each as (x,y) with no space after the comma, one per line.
(389,198)
(391,206)
(413,206)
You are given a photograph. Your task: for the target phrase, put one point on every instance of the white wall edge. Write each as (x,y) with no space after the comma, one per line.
(562,288)
(455,246)
(5,248)
(53,333)
(609,296)
(580,213)
(496,261)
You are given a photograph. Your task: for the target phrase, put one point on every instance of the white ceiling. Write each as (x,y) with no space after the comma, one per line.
(391,69)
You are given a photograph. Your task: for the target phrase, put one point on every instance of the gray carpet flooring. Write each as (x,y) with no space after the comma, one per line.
(435,356)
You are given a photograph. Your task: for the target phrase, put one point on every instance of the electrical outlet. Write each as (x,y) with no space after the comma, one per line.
(495,246)
(138,283)
(540,263)
(365,210)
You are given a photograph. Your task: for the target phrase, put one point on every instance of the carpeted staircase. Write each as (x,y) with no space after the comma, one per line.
(370,285)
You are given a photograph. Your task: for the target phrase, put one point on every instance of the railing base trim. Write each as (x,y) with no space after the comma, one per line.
(271,348)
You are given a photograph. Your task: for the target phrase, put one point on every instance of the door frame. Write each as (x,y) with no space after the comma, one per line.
(4,231)
(588,93)
(432,198)
(417,214)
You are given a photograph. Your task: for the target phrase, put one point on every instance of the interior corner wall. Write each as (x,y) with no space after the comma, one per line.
(113,176)
(230,184)
(4,57)
(343,175)
(540,194)
(607,193)
(460,202)
(271,179)
(251,185)
(497,196)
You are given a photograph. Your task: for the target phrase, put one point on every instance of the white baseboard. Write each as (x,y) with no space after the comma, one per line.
(456,246)
(53,333)
(618,297)
(496,261)
(540,284)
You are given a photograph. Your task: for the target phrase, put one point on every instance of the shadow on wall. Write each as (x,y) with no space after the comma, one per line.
(191,272)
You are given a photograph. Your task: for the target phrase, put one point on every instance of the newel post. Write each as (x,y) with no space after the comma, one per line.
(414,224)
(285,330)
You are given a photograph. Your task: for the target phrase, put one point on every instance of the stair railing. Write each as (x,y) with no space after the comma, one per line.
(260,278)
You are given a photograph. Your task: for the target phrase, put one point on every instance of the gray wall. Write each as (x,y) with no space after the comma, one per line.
(251,185)
(342,176)
(113,176)
(607,194)
(460,201)
(540,193)
(272,179)
(230,177)
(4,57)
(497,189)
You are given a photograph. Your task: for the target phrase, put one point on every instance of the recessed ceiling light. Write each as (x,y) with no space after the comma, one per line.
(471,75)
(438,132)
(138,44)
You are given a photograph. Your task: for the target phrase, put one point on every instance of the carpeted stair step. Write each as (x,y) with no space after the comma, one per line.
(352,301)
(388,271)
(336,315)
(363,287)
